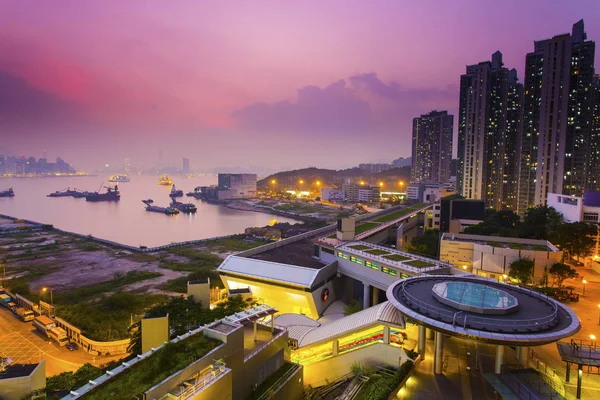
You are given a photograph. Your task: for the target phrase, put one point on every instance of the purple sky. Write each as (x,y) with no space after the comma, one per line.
(281,84)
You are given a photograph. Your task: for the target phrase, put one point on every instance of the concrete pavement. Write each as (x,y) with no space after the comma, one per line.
(24,344)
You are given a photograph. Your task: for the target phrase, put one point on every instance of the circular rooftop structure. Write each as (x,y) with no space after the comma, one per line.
(483,310)
(474,297)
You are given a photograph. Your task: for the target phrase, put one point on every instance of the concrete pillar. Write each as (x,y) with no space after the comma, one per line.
(255,329)
(523,353)
(421,342)
(499,358)
(375,296)
(438,359)
(336,347)
(366,296)
(386,334)
(568,377)
(430,334)
(579,376)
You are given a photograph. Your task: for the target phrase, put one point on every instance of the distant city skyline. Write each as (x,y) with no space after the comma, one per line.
(239,86)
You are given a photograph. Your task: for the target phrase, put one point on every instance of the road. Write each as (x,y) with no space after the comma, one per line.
(23,343)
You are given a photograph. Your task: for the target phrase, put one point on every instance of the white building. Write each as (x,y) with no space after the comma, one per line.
(491,256)
(332,194)
(577,209)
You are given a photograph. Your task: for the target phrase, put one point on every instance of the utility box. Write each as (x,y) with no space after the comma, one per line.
(346,228)
(200,290)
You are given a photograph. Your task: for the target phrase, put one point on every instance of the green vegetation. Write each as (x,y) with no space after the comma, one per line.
(142,257)
(300,208)
(400,213)
(169,359)
(396,257)
(419,264)
(380,386)
(494,244)
(576,239)
(365,226)
(179,285)
(360,247)
(233,243)
(516,246)
(377,252)
(201,257)
(427,244)
(560,272)
(521,270)
(353,307)
(271,380)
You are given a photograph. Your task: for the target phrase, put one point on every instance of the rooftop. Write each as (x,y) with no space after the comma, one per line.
(18,371)
(535,319)
(391,257)
(269,271)
(502,242)
(296,253)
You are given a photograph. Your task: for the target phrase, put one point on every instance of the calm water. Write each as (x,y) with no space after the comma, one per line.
(126,221)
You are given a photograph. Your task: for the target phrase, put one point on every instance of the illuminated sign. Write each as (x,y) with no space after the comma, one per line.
(325,294)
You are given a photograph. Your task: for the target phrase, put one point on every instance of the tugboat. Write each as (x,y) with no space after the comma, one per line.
(112,194)
(119,178)
(62,193)
(162,210)
(187,208)
(175,193)
(197,193)
(7,193)
(165,181)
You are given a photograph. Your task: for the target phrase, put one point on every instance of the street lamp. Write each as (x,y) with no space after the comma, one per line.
(301,182)
(45,289)
(598,314)
(504,278)
(593,338)
(380,184)
(584,283)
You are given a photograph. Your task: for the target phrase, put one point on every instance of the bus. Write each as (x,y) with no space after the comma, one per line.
(25,314)
(59,335)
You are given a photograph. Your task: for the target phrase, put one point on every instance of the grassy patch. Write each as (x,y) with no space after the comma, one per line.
(300,208)
(142,257)
(179,285)
(270,381)
(396,257)
(400,213)
(516,246)
(198,256)
(234,243)
(377,252)
(365,226)
(147,373)
(495,244)
(86,293)
(380,386)
(419,264)
(360,247)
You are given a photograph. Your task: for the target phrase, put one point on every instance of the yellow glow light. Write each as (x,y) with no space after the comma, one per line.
(381,184)
(318,183)
(593,337)
(362,182)
(301,181)
(584,281)
(464,267)
(273,181)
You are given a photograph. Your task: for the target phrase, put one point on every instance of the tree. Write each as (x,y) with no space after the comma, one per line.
(352,307)
(540,222)
(500,223)
(560,272)
(521,270)
(576,239)
(135,336)
(426,244)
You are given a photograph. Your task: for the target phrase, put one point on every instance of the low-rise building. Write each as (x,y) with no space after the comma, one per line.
(332,194)
(429,192)
(491,256)
(229,359)
(16,381)
(362,193)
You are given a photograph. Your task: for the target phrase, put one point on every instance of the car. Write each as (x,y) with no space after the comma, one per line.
(72,346)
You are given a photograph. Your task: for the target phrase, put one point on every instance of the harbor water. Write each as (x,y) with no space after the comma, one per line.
(127,221)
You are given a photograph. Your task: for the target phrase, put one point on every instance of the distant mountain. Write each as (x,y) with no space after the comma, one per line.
(336,177)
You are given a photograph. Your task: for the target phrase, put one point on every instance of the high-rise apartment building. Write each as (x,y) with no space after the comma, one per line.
(556,143)
(186,166)
(432,147)
(594,176)
(489,121)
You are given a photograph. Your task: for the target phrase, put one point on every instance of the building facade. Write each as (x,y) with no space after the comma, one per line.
(489,122)
(332,194)
(432,147)
(556,142)
(236,186)
(361,193)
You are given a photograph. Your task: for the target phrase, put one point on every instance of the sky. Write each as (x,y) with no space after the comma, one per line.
(257,84)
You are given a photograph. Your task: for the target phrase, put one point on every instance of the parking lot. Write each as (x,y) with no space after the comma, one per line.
(24,344)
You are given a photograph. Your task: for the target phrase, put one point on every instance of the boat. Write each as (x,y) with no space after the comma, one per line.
(62,193)
(197,193)
(7,193)
(112,194)
(187,208)
(119,178)
(162,210)
(165,180)
(79,194)
(175,192)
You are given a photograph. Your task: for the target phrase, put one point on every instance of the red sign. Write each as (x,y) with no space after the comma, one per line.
(325,294)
